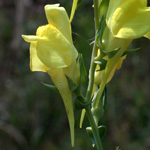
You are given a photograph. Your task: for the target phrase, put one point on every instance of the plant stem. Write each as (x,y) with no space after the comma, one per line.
(91,74)
(94,53)
(91,82)
(96,13)
(94,128)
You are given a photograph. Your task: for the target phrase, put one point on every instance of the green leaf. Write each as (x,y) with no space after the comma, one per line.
(83,76)
(130,51)
(99,33)
(53,87)
(101,130)
(73,87)
(90,133)
(111,53)
(104,100)
(79,3)
(99,111)
(83,73)
(101,63)
(80,103)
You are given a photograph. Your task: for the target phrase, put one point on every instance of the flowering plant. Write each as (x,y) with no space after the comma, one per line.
(52,51)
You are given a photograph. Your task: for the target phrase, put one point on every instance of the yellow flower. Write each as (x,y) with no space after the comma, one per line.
(125,20)
(52,51)
(109,43)
(129,19)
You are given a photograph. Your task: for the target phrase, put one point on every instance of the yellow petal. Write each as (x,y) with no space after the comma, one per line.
(109,71)
(120,61)
(98,77)
(112,65)
(59,79)
(73,72)
(110,42)
(57,16)
(128,19)
(55,51)
(112,6)
(147,35)
(52,5)
(31,38)
(82,117)
(117,66)
(74,6)
(35,63)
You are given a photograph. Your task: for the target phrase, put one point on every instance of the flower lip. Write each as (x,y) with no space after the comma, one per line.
(52,5)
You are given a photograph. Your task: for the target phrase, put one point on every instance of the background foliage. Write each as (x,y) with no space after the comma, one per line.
(33,117)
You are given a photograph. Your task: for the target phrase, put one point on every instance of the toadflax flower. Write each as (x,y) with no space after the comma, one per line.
(125,20)
(52,51)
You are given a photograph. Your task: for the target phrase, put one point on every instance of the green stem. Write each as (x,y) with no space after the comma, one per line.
(94,53)
(94,128)
(96,14)
(91,82)
(91,74)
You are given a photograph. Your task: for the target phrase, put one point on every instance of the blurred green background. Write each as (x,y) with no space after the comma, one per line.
(33,117)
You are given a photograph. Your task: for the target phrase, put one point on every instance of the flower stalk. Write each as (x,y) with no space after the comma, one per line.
(91,82)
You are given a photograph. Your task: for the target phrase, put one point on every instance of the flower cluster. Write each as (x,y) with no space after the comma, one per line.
(125,20)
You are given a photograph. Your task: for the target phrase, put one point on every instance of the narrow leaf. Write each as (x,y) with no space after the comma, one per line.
(80,103)
(101,63)
(53,87)
(99,33)
(84,111)
(99,110)
(79,3)
(130,51)
(83,73)
(101,131)
(111,53)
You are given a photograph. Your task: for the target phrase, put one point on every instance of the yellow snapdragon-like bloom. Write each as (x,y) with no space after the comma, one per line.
(52,51)
(110,42)
(129,19)
(125,20)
